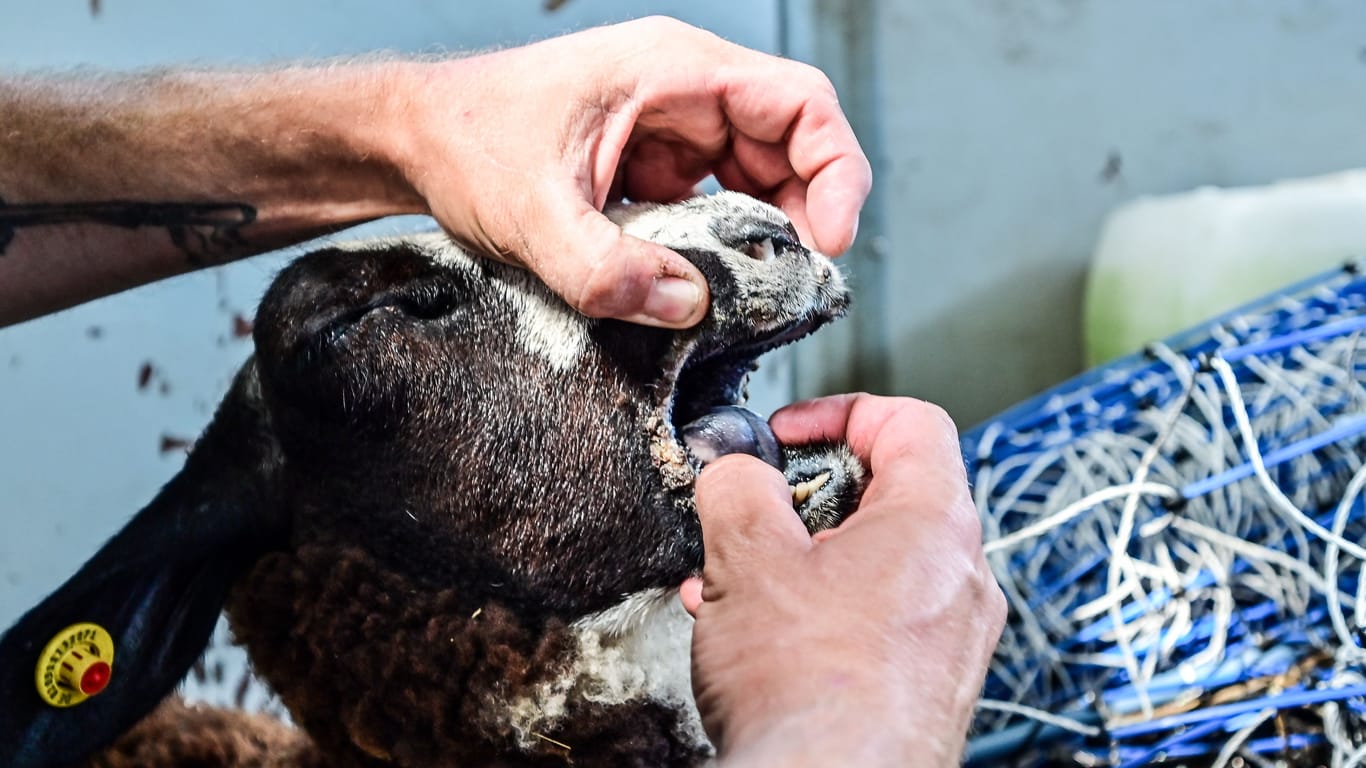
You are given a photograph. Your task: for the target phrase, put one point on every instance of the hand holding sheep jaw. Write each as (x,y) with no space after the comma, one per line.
(768,291)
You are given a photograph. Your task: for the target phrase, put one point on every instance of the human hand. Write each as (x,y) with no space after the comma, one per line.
(863,645)
(517,152)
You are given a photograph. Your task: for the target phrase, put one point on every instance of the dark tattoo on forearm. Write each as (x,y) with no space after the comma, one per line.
(206,232)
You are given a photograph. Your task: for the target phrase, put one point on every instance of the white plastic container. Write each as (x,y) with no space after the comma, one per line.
(1166,263)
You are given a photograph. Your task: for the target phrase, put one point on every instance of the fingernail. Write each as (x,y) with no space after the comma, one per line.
(672,300)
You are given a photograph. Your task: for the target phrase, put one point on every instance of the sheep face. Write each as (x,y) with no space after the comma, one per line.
(453,414)
(448,515)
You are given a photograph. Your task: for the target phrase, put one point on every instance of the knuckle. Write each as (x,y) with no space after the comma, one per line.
(920,415)
(865,175)
(969,526)
(998,609)
(821,83)
(962,527)
(934,417)
(940,431)
(989,600)
(599,299)
(812,80)
(660,22)
(662,28)
(931,427)
(608,288)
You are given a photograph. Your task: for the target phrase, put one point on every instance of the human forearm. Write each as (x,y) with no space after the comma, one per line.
(107,183)
(514,153)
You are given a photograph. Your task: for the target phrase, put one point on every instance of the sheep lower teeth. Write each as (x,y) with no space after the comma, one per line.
(802,491)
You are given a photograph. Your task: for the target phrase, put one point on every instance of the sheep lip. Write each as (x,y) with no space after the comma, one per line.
(756,346)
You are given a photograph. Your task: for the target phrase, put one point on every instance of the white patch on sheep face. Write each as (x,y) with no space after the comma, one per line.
(640,648)
(544,326)
(439,247)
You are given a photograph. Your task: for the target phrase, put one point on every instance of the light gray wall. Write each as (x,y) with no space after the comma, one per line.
(1005,129)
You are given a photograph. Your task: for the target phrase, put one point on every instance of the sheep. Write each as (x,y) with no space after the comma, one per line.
(445,515)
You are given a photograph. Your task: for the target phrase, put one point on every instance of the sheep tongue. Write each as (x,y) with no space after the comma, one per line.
(732,429)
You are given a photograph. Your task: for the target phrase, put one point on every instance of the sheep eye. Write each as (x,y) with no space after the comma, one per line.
(761,250)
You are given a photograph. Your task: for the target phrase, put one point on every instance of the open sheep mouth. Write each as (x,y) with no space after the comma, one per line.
(708,415)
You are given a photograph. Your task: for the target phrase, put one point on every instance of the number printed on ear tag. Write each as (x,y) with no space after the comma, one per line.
(76,664)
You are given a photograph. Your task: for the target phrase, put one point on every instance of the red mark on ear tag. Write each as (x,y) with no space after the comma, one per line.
(96,677)
(76,664)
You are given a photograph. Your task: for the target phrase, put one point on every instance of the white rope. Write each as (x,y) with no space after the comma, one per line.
(1033,713)
(1110,570)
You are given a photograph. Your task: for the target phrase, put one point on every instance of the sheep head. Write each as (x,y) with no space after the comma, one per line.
(456,511)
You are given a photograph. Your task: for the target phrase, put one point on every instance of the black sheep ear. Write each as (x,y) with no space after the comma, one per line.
(156,588)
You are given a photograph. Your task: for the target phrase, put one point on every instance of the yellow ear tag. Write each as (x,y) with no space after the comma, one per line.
(76,664)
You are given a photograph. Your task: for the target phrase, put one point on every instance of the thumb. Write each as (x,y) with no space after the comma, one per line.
(745,507)
(603,272)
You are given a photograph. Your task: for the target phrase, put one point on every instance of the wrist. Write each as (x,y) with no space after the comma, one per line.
(855,711)
(846,728)
(360,123)
(433,123)
(799,714)
(385,134)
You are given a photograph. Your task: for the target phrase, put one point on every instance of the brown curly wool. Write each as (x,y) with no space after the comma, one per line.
(177,735)
(381,672)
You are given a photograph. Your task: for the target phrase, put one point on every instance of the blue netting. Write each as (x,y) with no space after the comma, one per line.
(1166,599)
